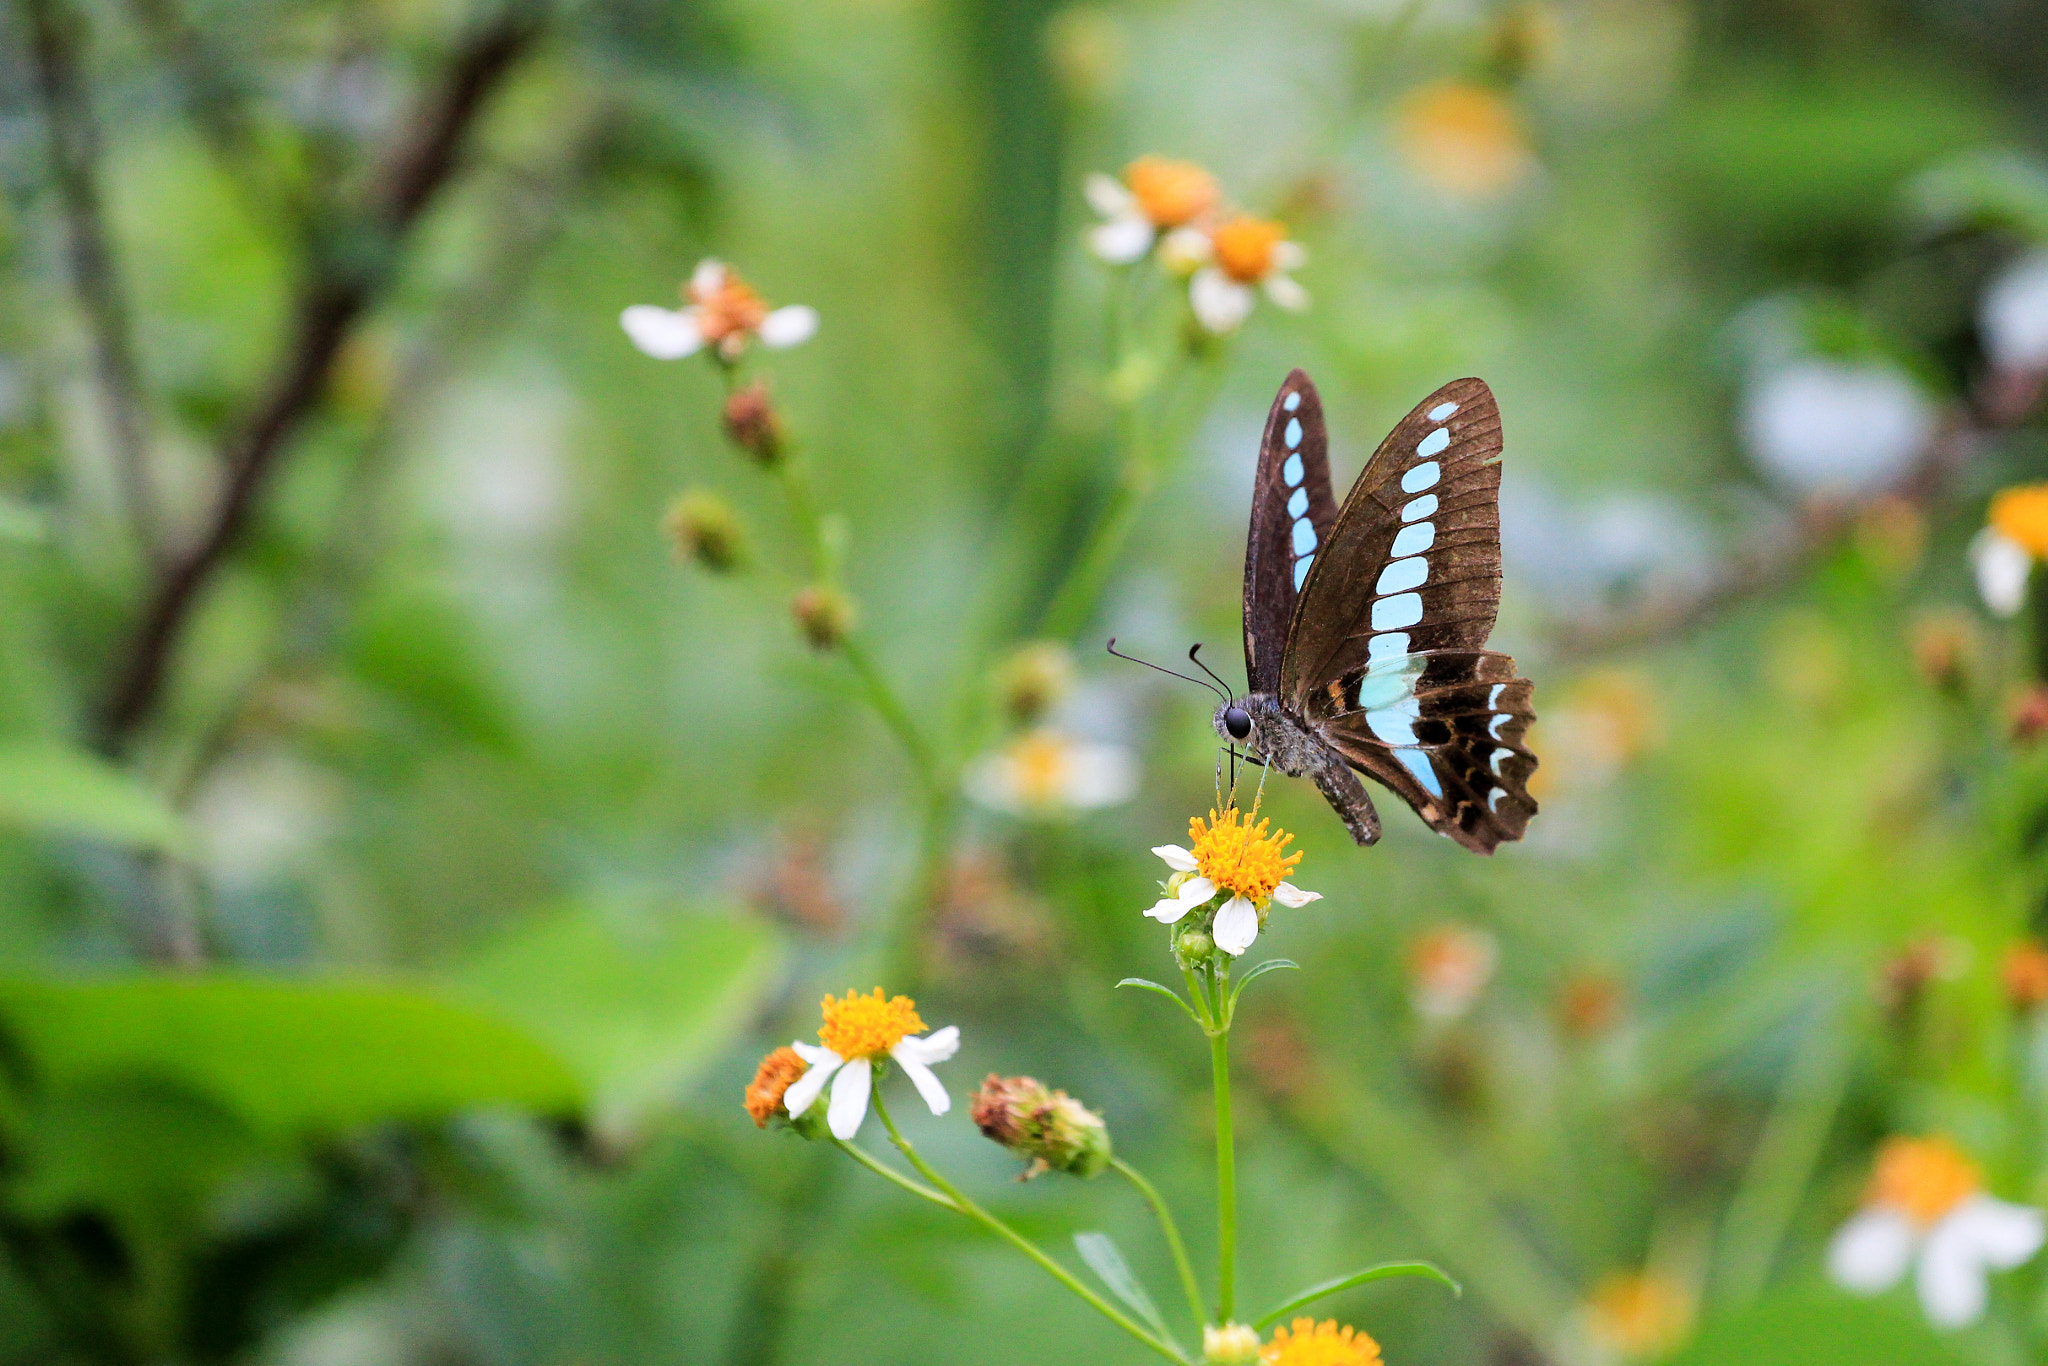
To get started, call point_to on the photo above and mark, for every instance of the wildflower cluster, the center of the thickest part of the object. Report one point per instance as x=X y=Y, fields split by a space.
x=1242 y=865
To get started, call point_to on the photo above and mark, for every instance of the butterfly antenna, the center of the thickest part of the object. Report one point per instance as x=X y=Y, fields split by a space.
x=1195 y=660
x=1185 y=678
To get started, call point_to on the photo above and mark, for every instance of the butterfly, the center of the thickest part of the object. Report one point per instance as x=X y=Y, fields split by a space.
x=1365 y=626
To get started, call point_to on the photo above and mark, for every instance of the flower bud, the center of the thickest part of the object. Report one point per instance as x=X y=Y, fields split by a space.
x=1230 y=1344
x=1946 y=651
x=752 y=424
x=2029 y=714
x=1193 y=946
x=1034 y=678
x=824 y=613
x=776 y=1074
x=2025 y=977
x=704 y=528
x=1054 y=1130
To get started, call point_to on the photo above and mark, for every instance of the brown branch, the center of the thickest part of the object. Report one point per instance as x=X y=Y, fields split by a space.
x=57 y=33
x=339 y=287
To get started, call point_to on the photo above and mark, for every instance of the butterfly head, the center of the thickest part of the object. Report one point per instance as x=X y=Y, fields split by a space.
x=1233 y=722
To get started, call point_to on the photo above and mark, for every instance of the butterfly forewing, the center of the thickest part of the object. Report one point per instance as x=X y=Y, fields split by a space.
x=1292 y=512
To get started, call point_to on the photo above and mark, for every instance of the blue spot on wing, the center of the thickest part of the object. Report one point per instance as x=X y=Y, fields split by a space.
x=1291 y=471
x=1293 y=435
x=1301 y=570
x=1417 y=762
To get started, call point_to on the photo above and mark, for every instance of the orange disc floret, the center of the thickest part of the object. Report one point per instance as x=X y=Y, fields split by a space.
x=1924 y=1177
x=775 y=1075
x=1239 y=857
x=1170 y=193
x=1329 y=1343
x=733 y=307
x=2021 y=516
x=1640 y=1313
x=867 y=1026
x=1246 y=248
x=2025 y=971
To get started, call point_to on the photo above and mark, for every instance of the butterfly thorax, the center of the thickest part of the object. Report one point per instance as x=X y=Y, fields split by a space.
x=1278 y=738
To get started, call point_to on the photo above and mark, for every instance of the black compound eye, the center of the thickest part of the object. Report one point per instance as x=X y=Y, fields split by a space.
x=1237 y=721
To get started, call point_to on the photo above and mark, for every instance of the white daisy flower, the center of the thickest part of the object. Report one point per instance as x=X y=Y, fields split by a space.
x=1926 y=1201
x=859 y=1032
x=1046 y=772
x=723 y=312
x=2015 y=534
x=1230 y=855
x=1448 y=967
x=1234 y=263
x=1155 y=196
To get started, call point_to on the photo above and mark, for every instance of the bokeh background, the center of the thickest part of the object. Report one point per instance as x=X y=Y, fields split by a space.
x=405 y=855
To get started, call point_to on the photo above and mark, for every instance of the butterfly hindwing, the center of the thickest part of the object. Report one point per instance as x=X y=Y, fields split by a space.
x=1293 y=509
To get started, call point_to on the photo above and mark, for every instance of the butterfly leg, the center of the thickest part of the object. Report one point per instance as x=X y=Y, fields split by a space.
x=1347 y=796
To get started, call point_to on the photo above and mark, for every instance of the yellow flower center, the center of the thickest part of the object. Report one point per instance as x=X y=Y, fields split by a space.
x=1640 y=1313
x=1170 y=193
x=1463 y=138
x=1925 y=1177
x=1043 y=762
x=1240 y=857
x=1308 y=1343
x=2021 y=516
x=730 y=309
x=867 y=1026
x=1245 y=248
x=777 y=1072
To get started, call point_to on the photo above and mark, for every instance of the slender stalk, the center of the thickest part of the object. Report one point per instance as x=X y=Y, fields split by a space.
x=1226 y=1179
x=881 y=1169
x=1171 y=1230
x=1018 y=1240
x=894 y=715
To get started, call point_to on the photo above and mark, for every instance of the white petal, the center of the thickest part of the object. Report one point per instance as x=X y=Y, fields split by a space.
x=1869 y=1253
x=1122 y=240
x=1952 y=1276
x=1186 y=250
x=1100 y=775
x=2002 y=566
x=1175 y=857
x=927 y=1084
x=1220 y=303
x=663 y=333
x=1284 y=291
x=1237 y=925
x=1192 y=893
x=1289 y=256
x=2004 y=1234
x=805 y=1090
x=1107 y=195
x=789 y=326
x=1168 y=911
x=850 y=1099
x=934 y=1047
x=1287 y=894
x=814 y=1053
x=708 y=277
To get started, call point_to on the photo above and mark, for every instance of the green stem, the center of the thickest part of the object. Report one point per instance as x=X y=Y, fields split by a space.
x=1226 y=1174
x=1171 y=1231
x=881 y=1169
x=894 y=715
x=1075 y=601
x=1018 y=1240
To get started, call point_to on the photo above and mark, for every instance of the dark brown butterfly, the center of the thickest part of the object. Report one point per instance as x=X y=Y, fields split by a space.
x=1365 y=628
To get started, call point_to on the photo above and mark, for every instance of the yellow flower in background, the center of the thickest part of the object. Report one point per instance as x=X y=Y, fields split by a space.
x=1233 y=263
x=857 y=1033
x=1926 y=1199
x=1156 y=195
x=1639 y=1313
x=1464 y=139
x=1046 y=772
x=2015 y=535
x=1233 y=856
x=723 y=312
x=1308 y=1343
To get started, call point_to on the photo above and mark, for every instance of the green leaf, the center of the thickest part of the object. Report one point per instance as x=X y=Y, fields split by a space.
x=1270 y=965
x=58 y=789
x=636 y=995
x=1168 y=992
x=1819 y=1327
x=1106 y=1260
x=1371 y=1273
x=284 y=1057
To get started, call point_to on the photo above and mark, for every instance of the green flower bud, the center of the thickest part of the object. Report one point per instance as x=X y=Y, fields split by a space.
x=704 y=528
x=1054 y=1130
x=824 y=613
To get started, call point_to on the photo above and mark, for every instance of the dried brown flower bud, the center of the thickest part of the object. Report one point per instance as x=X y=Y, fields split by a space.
x=1034 y=678
x=825 y=613
x=1054 y=1130
x=1589 y=1005
x=2029 y=714
x=777 y=1073
x=2025 y=974
x=704 y=528
x=1945 y=650
x=752 y=424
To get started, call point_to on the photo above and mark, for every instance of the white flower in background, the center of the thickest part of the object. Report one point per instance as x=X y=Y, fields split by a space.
x=1447 y=969
x=2013 y=316
x=1844 y=428
x=1233 y=856
x=1046 y=772
x=1234 y=263
x=723 y=312
x=1155 y=196
x=1927 y=1200
x=2015 y=535
x=859 y=1032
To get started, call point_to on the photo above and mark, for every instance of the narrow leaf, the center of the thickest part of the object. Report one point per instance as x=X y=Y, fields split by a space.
x=1371 y=1273
x=1106 y=1260
x=1168 y=992
x=1270 y=965
x=59 y=789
